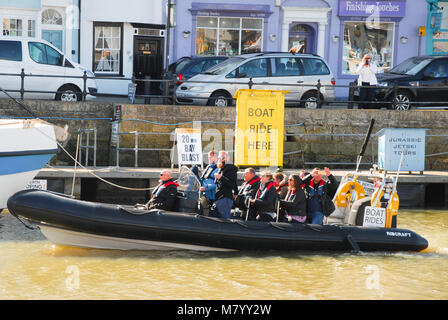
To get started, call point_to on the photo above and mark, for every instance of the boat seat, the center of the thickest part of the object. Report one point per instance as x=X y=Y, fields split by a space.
x=356 y=215
x=186 y=202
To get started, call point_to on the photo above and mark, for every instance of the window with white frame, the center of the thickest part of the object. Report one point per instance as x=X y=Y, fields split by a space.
x=51 y=16
x=360 y=38
x=228 y=36
x=31 y=28
x=12 y=27
x=107 y=52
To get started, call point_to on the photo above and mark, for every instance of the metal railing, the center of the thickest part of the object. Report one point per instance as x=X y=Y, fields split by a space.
x=301 y=152
x=167 y=85
x=87 y=146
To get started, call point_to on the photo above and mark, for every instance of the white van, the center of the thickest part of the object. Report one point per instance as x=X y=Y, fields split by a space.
x=46 y=69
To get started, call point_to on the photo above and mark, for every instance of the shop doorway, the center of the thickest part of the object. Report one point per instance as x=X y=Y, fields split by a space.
x=148 y=62
x=302 y=38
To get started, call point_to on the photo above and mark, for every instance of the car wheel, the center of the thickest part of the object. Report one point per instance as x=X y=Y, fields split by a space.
x=402 y=101
x=309 y=101
x=68 y=94
x=220 y=99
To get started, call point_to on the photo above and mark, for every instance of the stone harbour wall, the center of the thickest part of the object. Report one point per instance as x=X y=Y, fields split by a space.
x=314 y=137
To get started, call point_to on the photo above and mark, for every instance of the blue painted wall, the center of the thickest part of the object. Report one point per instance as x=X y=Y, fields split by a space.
x=25 y=4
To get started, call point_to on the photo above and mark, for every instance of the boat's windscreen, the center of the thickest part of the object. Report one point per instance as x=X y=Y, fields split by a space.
x=188 y=180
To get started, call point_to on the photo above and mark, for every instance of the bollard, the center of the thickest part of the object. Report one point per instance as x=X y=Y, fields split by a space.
x=84 y=90
x=22 y=84
x=351 y=94
x=318 y=101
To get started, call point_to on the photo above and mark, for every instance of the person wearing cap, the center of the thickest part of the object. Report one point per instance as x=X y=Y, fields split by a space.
x=165 y=194
x=367 y=78
x=226 y=186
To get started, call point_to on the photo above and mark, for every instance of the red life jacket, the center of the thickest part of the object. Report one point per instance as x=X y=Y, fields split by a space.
x=160 y=187
x=319 y=189
x=268 y=187
x=251 y=182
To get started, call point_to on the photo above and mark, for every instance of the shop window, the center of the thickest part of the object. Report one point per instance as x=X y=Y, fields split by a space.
x=440 y=43
x=107 y=52
x=12 y=27
x=228 y=36
x=360 y=38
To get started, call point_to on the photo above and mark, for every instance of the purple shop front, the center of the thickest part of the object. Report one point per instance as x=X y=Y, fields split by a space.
x=339 y=30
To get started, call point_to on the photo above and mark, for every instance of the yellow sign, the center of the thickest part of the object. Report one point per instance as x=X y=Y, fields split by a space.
x=259 y=127
x=422 y=31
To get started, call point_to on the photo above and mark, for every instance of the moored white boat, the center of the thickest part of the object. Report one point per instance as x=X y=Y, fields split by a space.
x=25 y=147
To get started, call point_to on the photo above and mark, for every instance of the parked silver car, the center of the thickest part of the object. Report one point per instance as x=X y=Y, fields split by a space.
x=298 y=73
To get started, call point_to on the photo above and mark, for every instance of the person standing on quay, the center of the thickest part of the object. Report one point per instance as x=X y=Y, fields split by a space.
x=367 y=78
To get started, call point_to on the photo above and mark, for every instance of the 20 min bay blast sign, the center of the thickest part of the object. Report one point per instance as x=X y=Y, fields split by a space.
x=259 y=127
x=189 y=146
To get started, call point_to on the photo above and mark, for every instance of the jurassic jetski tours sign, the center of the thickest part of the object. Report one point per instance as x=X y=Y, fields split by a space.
x=259 y=128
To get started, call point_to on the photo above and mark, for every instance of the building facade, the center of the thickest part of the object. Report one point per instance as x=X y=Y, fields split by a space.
x=341 y=31
x=56 y=21
x=121 y=39
x=115 y=39
x=118 y=39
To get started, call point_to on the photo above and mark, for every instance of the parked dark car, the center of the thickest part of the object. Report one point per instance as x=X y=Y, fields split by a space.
x=187 y=68
x=419 y=79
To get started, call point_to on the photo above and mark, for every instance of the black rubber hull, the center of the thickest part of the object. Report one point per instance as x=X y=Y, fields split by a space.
x=108 y=220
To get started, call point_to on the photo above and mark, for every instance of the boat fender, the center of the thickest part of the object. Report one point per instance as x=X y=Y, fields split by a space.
x=344 y=193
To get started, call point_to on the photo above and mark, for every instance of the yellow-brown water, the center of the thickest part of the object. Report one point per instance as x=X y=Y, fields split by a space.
x=33 y=268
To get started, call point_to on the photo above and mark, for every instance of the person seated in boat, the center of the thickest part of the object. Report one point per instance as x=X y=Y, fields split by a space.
x=208 y=185
x=294 y=203
x=281 y=185
x=247 y=191
x=226 y=186
x=316 y=187
x=266 y=198
x=164 y=196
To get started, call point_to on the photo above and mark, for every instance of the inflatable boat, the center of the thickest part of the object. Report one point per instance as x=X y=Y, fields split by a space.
x=67 y=221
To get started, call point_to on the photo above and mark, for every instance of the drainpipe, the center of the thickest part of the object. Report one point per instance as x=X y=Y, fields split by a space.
x=168 y=35
x=79 y=31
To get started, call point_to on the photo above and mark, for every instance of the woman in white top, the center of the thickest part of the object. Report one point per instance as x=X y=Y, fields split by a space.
x=366 y=71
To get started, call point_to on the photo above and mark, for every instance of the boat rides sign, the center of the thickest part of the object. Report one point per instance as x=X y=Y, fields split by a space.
x=374 y=217
x=259 y=128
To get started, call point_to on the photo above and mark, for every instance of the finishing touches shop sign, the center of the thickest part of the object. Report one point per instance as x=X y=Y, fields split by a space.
x=368 y=8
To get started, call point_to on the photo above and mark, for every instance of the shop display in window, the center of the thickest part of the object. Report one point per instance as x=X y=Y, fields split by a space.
x=375 y=39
